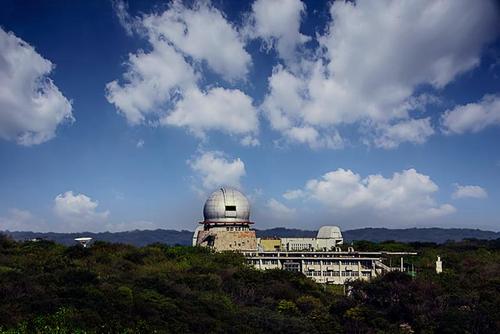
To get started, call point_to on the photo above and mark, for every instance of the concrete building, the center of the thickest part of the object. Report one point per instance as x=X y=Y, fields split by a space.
x=226 y=227
x=328 y=238
x=226 y=224
x=327 y=267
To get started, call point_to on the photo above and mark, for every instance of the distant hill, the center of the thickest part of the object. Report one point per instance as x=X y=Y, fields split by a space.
x=432 y=234
x=173 y=237
x=136 y=237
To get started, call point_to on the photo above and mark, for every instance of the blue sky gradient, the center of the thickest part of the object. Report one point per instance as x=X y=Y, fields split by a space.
x=110 y=174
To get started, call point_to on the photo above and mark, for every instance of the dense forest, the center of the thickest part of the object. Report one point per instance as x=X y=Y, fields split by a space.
x=46 y=287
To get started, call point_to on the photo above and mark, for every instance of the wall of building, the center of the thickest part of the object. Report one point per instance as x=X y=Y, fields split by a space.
x=298 y=244
x=329 y=268
x=222 y=239
x=310 y=244
x=270 y=245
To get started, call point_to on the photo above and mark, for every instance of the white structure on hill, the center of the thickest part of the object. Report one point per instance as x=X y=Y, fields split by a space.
x=226 y=227
x=327 y=239
x=84 y=241
x=439 y=265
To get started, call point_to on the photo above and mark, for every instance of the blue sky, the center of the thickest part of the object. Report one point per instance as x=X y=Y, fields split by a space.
x=119 y=116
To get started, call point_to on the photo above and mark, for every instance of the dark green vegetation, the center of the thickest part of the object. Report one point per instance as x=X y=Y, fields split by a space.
x=115 y=288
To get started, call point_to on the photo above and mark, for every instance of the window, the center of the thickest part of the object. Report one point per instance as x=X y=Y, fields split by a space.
x=230 y=207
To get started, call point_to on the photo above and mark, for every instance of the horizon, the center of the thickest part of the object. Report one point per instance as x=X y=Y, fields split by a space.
x=125 y=115
x=267 y=229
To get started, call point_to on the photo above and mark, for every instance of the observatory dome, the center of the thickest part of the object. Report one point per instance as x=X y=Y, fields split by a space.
x=329 y=232
x=226 y=205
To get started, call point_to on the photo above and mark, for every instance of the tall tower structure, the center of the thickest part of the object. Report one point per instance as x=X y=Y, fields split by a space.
x=226 y=224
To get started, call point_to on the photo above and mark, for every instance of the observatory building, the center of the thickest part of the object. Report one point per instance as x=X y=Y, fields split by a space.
x=227 y=227
x=226 y=224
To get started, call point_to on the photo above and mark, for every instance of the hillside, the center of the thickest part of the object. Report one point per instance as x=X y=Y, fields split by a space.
x=115 y=288
x=173 y=237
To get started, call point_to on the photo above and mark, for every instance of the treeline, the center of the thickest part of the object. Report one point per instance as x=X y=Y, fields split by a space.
x=116 y=288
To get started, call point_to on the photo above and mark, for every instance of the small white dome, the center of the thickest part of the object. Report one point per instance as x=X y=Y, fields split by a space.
x=226 y=205
x=329 y=232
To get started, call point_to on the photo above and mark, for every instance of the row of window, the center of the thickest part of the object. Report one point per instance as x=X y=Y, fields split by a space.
x=300 y=246
x=316 y=262
x=336 y=262
x=237 y=228
x=337 y=273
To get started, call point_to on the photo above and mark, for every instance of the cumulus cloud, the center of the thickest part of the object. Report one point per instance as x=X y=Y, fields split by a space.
x=469 y=192
x=375 y=54
x=472 y=117
x=162 y=86
x=79 y=212
x=277 y=23
x=216 y=170
x=226 y=110
x=293 y=194
x=279 y=210
x=22 y=220
x=284 y=105
x=203 y=33
x=412 y=130
x=405 y=196
x=152 y=81
x=31 y=105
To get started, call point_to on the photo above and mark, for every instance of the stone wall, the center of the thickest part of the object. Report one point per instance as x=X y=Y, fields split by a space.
x=228 y=240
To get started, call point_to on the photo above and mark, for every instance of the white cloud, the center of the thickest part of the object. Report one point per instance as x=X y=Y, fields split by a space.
x=310 y=136
x=162 y=86
x=413 y=130
x=140 y=143
x=469 y=192
x=204 y=34
x=284 y=106
x=31 y=105
x=293 y=194
x=472 y=117
x=22 y=220
x=406 y=196
x=375 y=56
x=226 y=110
x=279 y=210
x=249 y=141
x=152 y=80
x=277 y=22
x=215 y=170
x=79 y=212
x=121 y=9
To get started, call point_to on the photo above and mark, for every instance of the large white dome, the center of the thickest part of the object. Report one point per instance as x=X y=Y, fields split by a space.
x=226 y=205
